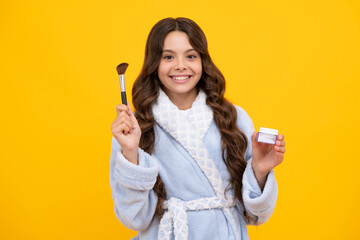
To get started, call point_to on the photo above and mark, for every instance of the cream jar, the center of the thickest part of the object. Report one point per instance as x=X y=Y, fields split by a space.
x=267 y=135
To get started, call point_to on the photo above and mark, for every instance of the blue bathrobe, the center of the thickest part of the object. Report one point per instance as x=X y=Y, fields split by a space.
x=185 y=180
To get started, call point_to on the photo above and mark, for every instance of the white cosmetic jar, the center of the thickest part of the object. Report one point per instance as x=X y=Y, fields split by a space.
x=267 y=135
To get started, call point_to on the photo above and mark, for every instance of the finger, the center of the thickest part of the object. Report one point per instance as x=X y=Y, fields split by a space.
x=280 y=137
x=124 y=114
x=257 y=144
x=280 y=149
x=128 y=126
x=123 y=118
x=281 y=156
x=121 y=129
x=254 y=136
x=132 y=116
x=124 y=128
x=280 y=143
x=120 y=108
x=129 y=111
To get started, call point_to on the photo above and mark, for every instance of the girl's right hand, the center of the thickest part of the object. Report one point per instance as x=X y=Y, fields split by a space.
x=127 y=132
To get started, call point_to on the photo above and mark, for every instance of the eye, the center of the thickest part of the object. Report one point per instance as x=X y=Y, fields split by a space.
x=167 y=57
x=192 y=56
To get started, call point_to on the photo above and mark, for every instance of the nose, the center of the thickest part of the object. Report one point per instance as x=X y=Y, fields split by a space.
x=180 y=65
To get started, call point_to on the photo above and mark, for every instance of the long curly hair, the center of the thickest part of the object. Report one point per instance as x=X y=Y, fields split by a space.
x=146 y=90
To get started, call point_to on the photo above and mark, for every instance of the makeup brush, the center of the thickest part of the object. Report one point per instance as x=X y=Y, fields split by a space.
x=121 y=68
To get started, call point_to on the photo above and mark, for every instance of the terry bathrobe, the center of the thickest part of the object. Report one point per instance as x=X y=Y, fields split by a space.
x=187 y=155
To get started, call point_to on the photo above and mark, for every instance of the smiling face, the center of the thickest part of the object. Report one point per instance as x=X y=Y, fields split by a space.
x=180 y=69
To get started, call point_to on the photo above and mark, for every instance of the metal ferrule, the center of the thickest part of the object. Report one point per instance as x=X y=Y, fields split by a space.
x=122 y=82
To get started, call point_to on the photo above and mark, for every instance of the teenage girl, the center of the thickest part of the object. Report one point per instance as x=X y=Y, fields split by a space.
x=187 y=165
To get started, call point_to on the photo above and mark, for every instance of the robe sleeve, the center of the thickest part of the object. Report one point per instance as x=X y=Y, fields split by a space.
x=258 y=204
x=132 y=188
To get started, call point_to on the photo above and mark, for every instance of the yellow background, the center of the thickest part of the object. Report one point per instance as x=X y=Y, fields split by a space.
x=292 y=65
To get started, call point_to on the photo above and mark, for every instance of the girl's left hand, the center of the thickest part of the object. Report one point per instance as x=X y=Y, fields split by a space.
x=266 y=156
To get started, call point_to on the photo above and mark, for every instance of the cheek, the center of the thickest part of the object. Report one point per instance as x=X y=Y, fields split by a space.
x=163 y=69
x=162 y=73
x=198 y=68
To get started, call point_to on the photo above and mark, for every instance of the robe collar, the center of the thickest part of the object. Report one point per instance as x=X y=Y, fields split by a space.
x=175 y=121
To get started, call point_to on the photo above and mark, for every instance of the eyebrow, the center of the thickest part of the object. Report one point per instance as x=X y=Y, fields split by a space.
x=168 y=50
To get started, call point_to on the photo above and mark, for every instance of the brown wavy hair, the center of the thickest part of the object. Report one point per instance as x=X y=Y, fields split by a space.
x=146 y=90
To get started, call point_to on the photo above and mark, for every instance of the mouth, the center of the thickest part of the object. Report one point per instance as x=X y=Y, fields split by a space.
x=181 y=79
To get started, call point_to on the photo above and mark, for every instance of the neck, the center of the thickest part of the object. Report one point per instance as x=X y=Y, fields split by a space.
x=183 y=101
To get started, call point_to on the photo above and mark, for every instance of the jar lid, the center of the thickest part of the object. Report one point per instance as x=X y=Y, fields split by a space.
x=269 y=131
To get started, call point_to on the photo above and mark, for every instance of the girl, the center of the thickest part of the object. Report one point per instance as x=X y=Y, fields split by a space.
x=186 y=165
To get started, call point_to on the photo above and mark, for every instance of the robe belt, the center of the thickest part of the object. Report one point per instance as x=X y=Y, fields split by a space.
x=176 y=214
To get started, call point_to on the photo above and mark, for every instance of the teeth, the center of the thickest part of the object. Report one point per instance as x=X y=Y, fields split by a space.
x=180 y=78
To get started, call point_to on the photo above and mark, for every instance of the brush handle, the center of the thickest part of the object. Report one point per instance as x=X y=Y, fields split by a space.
x=123 y=98
x=122 y=88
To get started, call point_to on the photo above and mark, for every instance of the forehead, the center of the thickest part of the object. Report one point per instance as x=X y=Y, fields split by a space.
x=176 y=40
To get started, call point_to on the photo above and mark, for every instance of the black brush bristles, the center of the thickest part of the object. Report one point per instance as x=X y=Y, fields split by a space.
x=121 y=68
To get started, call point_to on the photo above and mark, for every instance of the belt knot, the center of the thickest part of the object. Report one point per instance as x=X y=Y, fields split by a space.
x=176 y=216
